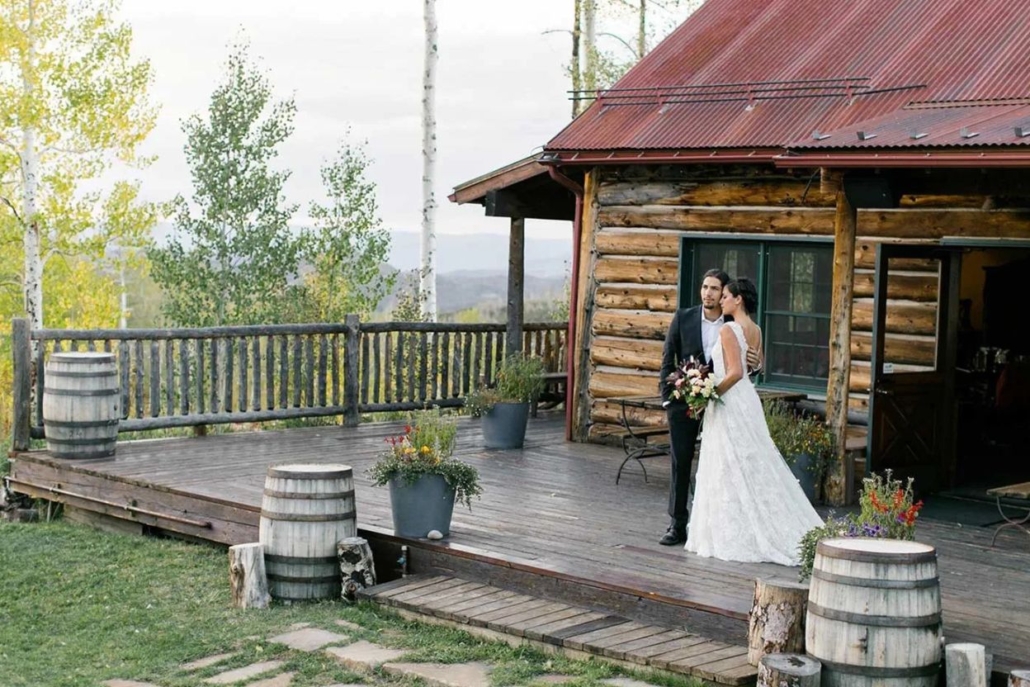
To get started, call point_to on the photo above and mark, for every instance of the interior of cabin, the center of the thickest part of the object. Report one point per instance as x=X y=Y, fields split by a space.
x=992 y=384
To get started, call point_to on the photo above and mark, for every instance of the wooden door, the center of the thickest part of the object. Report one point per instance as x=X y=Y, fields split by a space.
x=912 y=413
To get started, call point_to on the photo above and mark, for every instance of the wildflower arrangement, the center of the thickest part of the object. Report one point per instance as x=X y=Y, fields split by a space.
x=796 y=435
x=520 y=379
x=888 y=511
x=426 y=448
x=694 y=384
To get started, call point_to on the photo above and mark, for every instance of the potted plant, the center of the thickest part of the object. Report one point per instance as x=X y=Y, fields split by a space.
x=505 y=407
x=889 y=510
x=424 y=478
x=805 y=442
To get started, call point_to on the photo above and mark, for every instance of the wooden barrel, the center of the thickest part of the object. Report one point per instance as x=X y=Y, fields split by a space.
x=874 y=613
x=306 y=509
x=81 y=405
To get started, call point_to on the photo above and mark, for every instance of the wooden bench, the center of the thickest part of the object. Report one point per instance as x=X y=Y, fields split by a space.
x=1012 y=491
x=555 y=384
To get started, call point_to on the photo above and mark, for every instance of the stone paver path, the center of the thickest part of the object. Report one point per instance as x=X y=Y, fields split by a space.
x=309 y=639
x=244 y=673
x=360 y=657
x=364 y=657
x=443 y=674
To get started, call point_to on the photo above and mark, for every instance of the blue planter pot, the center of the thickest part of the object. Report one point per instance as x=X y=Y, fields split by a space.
x=801 y=467
x=421 y=506
x=504 y=427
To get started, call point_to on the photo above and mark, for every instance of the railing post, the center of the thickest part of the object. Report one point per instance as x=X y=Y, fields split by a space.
x=351 y=360
x=21 y=347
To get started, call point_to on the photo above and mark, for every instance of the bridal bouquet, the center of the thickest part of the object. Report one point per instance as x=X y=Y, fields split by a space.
x=694 y=384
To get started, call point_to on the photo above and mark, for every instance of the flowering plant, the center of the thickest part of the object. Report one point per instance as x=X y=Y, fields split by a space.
x=426 y=448
x=888 y=511
x=694 y=384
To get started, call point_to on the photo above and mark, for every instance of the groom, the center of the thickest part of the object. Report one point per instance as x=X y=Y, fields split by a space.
x=693 y=332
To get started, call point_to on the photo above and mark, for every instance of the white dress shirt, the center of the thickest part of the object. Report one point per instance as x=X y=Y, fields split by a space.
x=710 y=334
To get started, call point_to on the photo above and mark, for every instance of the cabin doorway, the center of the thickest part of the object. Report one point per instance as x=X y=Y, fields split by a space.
x=962 y=425
x=992 y=370
x=911 y=408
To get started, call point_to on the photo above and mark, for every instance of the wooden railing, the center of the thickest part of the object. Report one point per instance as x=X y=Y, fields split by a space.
x=217 y=375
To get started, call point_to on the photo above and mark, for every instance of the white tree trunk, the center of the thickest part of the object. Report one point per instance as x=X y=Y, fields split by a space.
x=776 y=623
x=590 y=49
x=32 y=284
x=642 y=31
x=427 y=282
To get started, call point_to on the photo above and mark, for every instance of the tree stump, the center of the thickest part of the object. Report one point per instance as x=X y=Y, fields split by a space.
x=776 y=623
x=789 y=670
x=247 y=576
x=356 y=566
x=1019 y=678
x=965 y=665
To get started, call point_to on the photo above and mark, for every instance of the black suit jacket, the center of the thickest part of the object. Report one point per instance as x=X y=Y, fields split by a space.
x=682 y=341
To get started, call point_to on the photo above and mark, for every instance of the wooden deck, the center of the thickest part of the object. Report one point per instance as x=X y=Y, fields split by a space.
x=551 y=518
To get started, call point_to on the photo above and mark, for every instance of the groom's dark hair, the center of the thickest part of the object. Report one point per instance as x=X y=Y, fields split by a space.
x=723 y=278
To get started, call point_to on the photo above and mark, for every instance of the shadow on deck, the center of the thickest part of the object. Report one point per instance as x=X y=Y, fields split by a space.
x=552 y=522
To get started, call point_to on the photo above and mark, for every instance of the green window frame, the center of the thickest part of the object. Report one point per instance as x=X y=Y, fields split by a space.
x=794 y=280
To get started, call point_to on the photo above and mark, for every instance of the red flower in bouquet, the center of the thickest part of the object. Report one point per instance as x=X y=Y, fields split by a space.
x=694 y=384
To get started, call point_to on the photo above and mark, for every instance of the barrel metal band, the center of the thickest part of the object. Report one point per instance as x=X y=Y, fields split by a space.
x=325 y=474
x=49 y=391
x=79 y=374
x=80 y=442
x=300 y=560
x=81 y=423
x=297 y=517
x=304 y=580
x=875 y=556
x=880 y=672
x=292 y=496
x=873 y=584
x=931 y=620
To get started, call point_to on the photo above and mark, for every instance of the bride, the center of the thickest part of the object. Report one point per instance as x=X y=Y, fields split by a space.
x=747 y=504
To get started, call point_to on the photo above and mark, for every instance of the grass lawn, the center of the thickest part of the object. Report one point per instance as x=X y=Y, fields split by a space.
x=78 y=607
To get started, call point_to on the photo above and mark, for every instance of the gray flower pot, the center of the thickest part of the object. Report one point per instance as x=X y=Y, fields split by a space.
x=505 y=425
x=801 y=467
x=421 y=506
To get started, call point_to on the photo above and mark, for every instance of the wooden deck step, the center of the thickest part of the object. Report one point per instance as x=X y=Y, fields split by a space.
x=572 y=629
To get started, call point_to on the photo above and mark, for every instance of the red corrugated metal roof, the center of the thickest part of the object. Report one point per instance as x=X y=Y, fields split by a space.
x=894 y=51
x=932 y=127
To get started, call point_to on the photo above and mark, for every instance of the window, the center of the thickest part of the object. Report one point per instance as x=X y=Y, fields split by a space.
x=794 y=281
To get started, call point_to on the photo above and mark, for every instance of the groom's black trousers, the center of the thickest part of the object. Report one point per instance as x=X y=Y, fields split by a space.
x=683 y=433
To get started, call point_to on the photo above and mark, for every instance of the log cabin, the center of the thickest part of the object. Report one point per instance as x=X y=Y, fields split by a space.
x=866 y=165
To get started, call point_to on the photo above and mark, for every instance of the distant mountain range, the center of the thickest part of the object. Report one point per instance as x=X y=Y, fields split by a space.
x=466 y=252
x=481 y=252
x=472 y=269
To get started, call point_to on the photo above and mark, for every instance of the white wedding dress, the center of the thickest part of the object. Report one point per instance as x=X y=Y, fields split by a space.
x=747 y=504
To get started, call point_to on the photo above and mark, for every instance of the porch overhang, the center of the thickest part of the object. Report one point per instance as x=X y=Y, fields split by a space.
x=523 y=189
x=968 y=159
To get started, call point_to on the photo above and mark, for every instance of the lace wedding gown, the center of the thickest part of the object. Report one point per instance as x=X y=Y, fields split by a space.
x=747 y=504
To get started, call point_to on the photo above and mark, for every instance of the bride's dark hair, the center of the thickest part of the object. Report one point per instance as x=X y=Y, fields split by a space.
x=745 y=288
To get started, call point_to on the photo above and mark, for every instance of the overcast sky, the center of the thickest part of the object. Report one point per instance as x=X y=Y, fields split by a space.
x=501 y=89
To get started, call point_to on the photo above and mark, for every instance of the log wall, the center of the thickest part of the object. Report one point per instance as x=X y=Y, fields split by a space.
x=635 y=229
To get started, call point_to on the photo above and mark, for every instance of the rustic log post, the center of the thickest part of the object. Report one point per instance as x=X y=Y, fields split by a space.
x=351 y=399
x=21 y=346
x=516 y=285
x=844 y=228
x=789 y=670
x=965 y=665
x=356 y=566
x=1019 y=678
x=247 y=576
x=776 y=623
